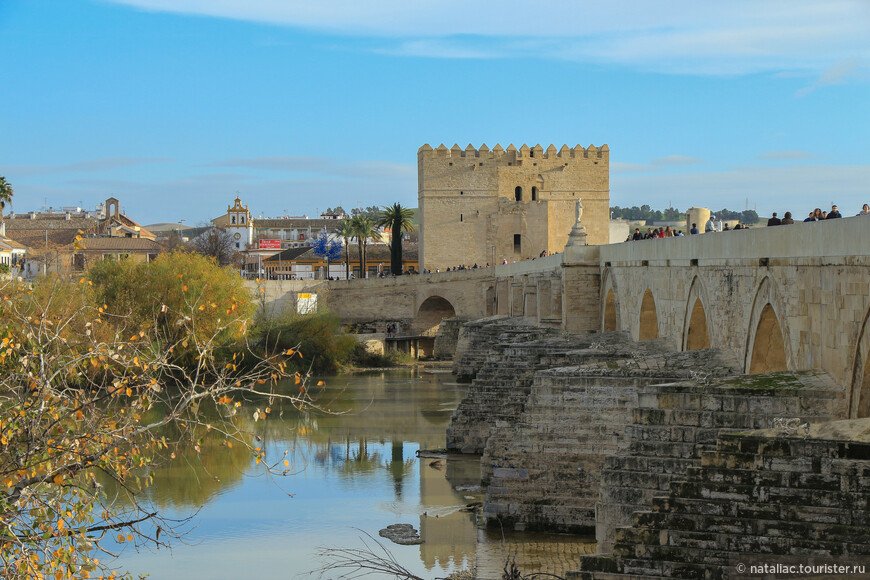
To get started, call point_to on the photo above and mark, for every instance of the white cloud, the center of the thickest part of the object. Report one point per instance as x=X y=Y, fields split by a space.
x=680 y=36
x=835 y=75
x=620 y=167
x=676 y=160
x=788 y=155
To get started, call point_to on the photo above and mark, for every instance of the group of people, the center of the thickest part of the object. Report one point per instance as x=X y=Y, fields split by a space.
x=654 y=233
x=457 y=268
x=814 y=216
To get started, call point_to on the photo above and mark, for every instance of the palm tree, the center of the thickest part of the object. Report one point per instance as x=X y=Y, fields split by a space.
x=363 y=228
x=398 y=219
x=345 y=231
x=6 y=194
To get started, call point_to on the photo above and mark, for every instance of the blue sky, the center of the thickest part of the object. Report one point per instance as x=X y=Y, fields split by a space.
x=175 y=105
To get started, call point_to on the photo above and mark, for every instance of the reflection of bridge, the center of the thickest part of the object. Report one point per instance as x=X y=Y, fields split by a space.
x=791 y=297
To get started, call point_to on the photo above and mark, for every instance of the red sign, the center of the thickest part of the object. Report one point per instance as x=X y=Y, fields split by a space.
x=270 y=244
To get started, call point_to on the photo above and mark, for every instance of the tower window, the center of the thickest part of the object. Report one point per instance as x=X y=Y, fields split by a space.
x=534 y=193
x=518 y=244
x=460 y=217
x=243 y=219
x=518 y=193
x=233 y=219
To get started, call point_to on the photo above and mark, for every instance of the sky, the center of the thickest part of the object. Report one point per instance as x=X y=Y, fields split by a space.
x=177 y=106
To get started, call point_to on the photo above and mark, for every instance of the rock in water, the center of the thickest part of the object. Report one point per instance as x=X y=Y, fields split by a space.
x=403 y=534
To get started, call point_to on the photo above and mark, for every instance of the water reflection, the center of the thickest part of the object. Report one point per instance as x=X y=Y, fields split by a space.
x=357 y=469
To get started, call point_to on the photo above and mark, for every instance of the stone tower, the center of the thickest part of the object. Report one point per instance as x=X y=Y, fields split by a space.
x=484 y=206
x=239 y=225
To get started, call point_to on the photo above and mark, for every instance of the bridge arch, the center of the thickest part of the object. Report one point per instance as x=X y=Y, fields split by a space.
x=610 y=308
x=648 y=327
x=430 y=314
x=696 y=330
x=767 y=343
x=859 y=399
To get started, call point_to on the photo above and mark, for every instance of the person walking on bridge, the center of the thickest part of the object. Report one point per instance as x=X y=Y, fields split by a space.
x=709 y=226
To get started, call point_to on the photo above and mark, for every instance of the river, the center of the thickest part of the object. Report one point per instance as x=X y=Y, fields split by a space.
x=351 y=474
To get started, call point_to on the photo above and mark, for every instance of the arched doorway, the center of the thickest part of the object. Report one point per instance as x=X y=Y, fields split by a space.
x=433 y=310
x=768 y=348
x=649 y=322
x=697 y=335
x=610 y=312
x=518 y=193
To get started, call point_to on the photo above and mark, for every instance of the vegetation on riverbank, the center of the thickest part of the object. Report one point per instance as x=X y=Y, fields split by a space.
x=100 y=378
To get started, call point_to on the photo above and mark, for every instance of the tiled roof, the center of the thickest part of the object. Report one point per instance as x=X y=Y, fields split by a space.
x=49 y=222
x=288 y=254
x=119 y=244
x=12 y=244
x=37 y=238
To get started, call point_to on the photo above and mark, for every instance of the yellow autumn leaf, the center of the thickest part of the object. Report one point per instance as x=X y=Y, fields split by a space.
x=58 y=479
x=134 y=337
x=184 y=288
x=319 y=383
x=289 y=352
x=286 y=463
x=60 y=525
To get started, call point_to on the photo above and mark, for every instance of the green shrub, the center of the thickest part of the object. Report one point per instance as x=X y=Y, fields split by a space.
x=318 y=337
x=183 y=295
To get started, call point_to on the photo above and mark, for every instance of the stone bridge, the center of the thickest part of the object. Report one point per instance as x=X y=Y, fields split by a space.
x=784 y=298
x=418 y=303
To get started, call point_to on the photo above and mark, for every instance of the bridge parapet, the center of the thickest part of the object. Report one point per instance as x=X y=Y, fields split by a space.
x=411 y=279
x=825 y=240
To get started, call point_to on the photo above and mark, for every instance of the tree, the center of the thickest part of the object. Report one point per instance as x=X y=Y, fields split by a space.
x=372 y=211
x=6 y=193
x=327 y=248
x=215 y=243
x=88 y=404
x=398 y=219
x=363 y=229
x=345 y=231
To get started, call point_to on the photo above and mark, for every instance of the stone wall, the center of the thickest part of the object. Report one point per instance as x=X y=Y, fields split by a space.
x=546 y=467
x=674 y=425
x=447 y=338
x=788 y=496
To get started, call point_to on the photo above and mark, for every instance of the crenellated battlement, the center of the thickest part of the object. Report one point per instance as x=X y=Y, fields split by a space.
x=512 y=152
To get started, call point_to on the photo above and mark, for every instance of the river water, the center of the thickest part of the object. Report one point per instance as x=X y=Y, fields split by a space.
x=352 y=474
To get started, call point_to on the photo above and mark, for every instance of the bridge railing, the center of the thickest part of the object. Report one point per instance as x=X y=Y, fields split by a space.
x=429 y=278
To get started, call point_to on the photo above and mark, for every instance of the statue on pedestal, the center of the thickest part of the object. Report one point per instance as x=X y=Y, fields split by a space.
x=577 y=237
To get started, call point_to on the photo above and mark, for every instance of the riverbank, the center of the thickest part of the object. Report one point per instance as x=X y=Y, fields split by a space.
x=435 y=366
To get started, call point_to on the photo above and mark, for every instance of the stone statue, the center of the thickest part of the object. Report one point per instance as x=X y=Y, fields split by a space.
x=577 y=237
